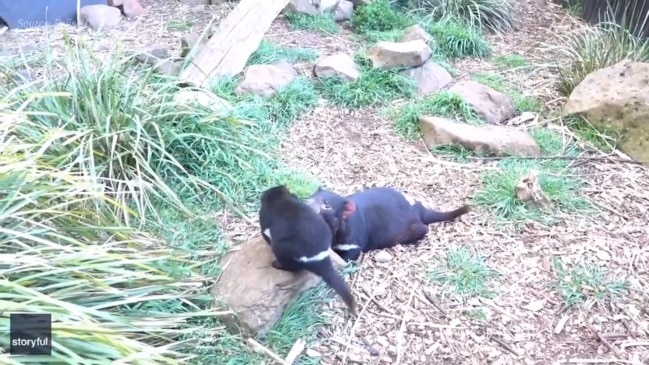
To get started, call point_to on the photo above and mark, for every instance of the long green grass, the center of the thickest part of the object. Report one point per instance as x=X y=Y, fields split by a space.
x=586 y=50
x=491 y=15
x=86 y=157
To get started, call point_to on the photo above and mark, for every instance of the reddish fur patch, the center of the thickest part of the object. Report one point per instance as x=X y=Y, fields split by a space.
x=350 y=208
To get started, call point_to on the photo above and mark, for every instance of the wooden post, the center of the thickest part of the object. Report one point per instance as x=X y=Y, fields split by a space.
x=237 y=37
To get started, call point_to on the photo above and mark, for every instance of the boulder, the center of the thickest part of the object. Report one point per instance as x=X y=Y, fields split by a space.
x=311 y=7
x=492 y=106
x=415 y=32
x=100 y=16
x=338 y=65
x=132 y=8
x=386 y=55
x=488 y=139
x=343 y=11
x=265 y=80
x=429 y=77
x=256 y=292
x=617 y=97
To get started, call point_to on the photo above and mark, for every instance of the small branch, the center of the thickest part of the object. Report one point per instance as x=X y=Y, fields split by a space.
x=560 y=157
x=295 y=351
x=263 y=349
x=505 y=345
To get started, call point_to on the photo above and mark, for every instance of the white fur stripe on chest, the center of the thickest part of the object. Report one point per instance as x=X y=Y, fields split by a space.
x=346 y=247
x=319 y=257
x=266 y=233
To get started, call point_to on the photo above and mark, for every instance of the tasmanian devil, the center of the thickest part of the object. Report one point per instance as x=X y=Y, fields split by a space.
x=375 y=218
x=300 y=238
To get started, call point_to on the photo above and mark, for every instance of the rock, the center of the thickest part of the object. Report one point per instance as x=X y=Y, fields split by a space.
x=100 y=16
x=311 y=7
x=338 y=65
x=132 y=8
x=192 y=40
x=195 y=2
x=256 y=292
x=190 y=98
x=358 y=3
x=491 y=139
x=415 y=32
x=383 y=257
x=152 y=55
x=265 y=80
x=344 y=11
x=617 y=97
x=429 y=77
x=492 y=106
x=387 y=55
x=168 y=67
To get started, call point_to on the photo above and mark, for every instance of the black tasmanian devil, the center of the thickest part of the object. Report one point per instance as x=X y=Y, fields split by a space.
x=300 y=238
x=375 y=218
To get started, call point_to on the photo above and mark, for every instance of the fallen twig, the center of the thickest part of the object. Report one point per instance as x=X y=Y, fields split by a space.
x=559 y=157
x=505 y=345
x=295 y=351
x=263 y=349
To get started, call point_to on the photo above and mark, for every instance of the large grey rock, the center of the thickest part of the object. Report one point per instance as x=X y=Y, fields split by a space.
x=492 y=106
x=256 y=292
x=387 y=55
x=617 y=97
x=339 y=65
x=100 y=16
x=311 y=7
x=490 y=139
x=266 y=80
x=429 y=77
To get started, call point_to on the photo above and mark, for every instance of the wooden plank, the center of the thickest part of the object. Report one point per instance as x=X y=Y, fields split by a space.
x=237 y=37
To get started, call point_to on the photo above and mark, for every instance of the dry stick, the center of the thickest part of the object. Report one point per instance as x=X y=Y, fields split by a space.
x=402 y=328
x=505 y=345
x=560 y=157
x=261 y=348
x=599 y=335
x=295 y=351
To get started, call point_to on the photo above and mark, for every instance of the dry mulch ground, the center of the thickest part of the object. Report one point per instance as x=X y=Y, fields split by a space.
x=405 y=317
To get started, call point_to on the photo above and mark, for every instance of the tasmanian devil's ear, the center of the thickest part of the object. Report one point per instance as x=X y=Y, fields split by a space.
x=348 y=209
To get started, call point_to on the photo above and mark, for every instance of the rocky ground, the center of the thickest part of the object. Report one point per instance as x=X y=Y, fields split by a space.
x=405 y=317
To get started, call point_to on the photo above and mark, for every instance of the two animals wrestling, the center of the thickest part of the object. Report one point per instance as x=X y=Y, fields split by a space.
x=301 y=233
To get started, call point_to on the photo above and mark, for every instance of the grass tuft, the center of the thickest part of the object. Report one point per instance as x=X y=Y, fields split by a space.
x=592 y=48
x=444 y=104
x=323 y=23
x=379 y=16
x=456 y=40
x=466 y=272
x=492 y=15
x=268 y=53
x=604 y=139
x=499 y=190
x=374 y=87
x=585 y=281
x=511 y=60
x=522 y=103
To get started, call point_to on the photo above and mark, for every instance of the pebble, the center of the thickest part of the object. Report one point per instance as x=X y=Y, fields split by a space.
x=383 y=257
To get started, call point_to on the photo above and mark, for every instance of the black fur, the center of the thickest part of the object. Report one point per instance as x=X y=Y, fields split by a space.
x=375 y=218
x=297 y=231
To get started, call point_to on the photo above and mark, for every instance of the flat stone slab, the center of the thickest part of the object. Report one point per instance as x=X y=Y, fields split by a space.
x=256 y=292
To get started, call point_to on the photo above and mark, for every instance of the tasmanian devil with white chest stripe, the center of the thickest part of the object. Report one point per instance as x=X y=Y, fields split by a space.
x=300 y=238
x=375 y=218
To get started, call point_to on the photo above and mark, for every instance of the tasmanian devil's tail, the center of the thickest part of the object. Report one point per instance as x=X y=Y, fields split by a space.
x=429 y=216
x=326 y=271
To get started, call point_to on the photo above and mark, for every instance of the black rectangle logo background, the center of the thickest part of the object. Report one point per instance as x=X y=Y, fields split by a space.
x=30 y=334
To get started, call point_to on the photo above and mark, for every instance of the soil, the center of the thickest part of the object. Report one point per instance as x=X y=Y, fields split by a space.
x=405 y=317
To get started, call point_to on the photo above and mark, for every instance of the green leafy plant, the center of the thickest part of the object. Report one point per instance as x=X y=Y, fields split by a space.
x=493 y=15
x=441 y=104
x=379 y=16
x=456 y=40
x=324 y=23
x=268 y=53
